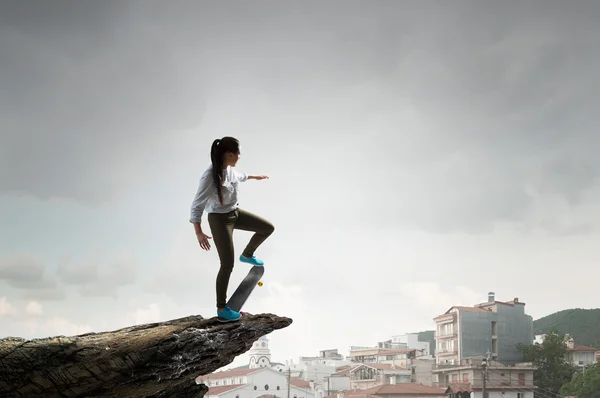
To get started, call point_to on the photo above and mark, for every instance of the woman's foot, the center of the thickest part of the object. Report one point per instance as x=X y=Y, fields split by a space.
x=227 y=315
x=251 y=260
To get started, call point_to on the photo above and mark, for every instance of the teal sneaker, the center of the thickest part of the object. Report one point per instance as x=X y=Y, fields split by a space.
x=228 y=315
x=251 y=260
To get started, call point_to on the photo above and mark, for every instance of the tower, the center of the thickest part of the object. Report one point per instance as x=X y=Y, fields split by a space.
x=260 y=355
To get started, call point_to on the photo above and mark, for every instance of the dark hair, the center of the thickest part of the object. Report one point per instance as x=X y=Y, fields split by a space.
x=218 y=149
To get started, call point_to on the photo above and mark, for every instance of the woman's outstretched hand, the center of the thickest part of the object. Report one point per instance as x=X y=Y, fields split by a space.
x=203 y=240
x=260 y=177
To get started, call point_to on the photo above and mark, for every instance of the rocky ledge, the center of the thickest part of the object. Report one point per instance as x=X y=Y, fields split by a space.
x=153 y=360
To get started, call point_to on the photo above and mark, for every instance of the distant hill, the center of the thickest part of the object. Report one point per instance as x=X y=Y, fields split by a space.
x=581 y=324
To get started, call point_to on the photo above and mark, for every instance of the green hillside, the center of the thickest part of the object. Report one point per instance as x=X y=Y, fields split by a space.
x=581 y=324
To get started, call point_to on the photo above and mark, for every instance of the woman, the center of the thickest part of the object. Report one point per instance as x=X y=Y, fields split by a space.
x=218 y=195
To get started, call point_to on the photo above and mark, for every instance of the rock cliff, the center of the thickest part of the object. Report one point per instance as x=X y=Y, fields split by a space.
x=153 y=360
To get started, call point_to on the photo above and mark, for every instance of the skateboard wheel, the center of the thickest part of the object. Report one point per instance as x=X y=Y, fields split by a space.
x=260 y=284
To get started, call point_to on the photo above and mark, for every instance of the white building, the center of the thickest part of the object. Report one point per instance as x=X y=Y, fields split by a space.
x=539 y=338
x=316 y=370
x=578 y=355
x=254 y=383
x=411 y=341
x=260 y=354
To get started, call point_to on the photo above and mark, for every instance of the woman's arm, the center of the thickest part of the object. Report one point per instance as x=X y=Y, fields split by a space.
x=258 y=177
x=205 y=189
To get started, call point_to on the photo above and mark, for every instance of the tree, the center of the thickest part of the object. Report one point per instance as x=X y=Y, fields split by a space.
x=584 y=384
x=551 y=368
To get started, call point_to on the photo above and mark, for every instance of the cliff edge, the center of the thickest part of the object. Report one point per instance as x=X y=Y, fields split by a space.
x=154 y=360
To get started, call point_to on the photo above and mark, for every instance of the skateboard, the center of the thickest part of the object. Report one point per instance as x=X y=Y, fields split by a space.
x=241 y=294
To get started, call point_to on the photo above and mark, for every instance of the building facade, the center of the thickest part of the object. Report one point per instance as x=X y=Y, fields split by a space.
x=403 y=390
x=465 y=379
x=493 y=327
x=411 y=341
x=260 y=354
x=254 y=383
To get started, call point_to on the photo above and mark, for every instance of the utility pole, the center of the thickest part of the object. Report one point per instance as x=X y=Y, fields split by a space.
x=484 y=368
x=288 y=381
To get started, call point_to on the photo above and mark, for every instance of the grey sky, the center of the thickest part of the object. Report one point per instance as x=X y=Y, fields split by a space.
x=431 y=152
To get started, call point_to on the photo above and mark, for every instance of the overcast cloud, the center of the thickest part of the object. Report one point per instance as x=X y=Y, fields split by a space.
x=420 y=155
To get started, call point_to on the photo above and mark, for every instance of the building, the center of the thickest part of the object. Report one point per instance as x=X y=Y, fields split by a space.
x=384 y=355
x=465 y=379
x=316 y=370
x=363 y=376
x=254 y=383
x=406 y=341
x=369 y=375
x=403 y=390
x=260 y=354
x=493 y=327
x=411 y=341
x=578 y=355
x=422 y=369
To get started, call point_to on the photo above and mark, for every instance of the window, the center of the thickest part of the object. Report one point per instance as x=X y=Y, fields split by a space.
x=520 y=395
x=465 y=377
x=521 y=377
x=365 y=374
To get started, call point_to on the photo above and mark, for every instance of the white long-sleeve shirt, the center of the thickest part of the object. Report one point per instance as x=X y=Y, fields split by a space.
x=207 y=199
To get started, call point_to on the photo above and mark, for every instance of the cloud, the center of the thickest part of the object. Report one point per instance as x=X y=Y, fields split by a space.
x=96 y=277
x=150 y=313
x=56 y=293
x=61 y=326
x=451 y=128
x=6 y=308
x=185 y=272
x=25 y=272
x=429 y=297
x=34 y=308
x=84 y=110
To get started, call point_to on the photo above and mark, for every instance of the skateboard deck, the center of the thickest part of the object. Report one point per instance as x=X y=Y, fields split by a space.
x=241 y=294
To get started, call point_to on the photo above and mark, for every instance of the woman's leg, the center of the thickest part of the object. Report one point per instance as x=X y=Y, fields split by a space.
x=221 y=226
x=262 y=229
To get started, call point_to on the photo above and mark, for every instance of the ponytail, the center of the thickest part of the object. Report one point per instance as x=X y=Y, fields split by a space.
x=218 y=149
x=216 y=157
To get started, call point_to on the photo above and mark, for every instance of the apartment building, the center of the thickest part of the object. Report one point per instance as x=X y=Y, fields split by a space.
x=465 y=379
x=493 y=327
